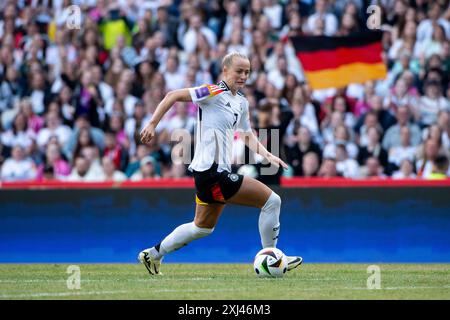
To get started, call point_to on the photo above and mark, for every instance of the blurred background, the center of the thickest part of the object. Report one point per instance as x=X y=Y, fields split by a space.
x=78 y=84
x=79 y=80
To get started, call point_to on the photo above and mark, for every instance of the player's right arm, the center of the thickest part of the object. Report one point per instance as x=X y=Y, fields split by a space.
x=179 y=95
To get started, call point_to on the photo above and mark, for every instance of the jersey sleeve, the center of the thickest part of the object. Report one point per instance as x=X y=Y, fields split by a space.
x=203 y=93
x=244 y=124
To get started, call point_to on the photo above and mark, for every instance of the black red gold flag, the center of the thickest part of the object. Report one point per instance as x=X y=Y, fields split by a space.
x=334 y=62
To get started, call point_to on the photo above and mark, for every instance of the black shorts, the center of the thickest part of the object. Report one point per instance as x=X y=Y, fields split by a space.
x=216 y=187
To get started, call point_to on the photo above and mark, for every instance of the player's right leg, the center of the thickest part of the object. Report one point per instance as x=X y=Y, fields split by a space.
x=256 y=194
x=206 y=217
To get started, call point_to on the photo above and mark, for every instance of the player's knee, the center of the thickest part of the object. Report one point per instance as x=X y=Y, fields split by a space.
x=274 y=202
x=199 y=232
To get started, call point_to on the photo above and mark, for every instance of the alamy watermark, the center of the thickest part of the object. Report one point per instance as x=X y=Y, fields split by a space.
x=374 y=20
x=221 y=144
x=374 y=280
x=74 y=280
x=73 y=20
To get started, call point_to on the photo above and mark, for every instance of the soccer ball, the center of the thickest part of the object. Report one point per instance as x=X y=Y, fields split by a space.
x=270 y=263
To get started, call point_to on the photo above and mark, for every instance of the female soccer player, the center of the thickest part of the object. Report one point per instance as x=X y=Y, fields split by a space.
x=222 y=111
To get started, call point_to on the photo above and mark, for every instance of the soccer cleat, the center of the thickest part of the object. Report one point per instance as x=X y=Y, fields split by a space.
x=149 y=262
x=294 y=262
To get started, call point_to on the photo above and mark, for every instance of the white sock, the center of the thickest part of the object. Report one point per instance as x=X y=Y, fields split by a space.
x=269 y=221
x=178 y=238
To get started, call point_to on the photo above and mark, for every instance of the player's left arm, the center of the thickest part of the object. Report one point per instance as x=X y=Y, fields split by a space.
x=252 y=142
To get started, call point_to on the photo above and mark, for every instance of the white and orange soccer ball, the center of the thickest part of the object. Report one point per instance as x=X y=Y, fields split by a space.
x=270 y=263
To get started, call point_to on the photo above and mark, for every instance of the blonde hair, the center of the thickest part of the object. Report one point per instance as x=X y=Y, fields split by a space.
x=228 y=59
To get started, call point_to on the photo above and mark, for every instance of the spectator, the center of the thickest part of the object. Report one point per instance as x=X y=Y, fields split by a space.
x=19 y=134
x=304 y=115
x=110 y=172
x=346 y=166
x=392 y=138
x=401 y=96
x=142 y=150
x=348 y=25
x=328 y=168
x=167 y=25
x=115 y=24
x=329 y=20
x=382 y=116
x=426 y=153
x=115 y=151
x=80 y=171
x=431 y=104
x=67 y=102
x=310 y=165
x=197 y=27
x=443 y=123
x=273 y=10
x=92 y=155
x=363 y=104
x=233 y=13
x=39 y=92
x=373 y=148
x=88 y=99
x=440 y=168
x=84 y=139
x=341 y=137
x=18 y=167
x=181 y=120
x=303 y=145
x=133 y=125
x=54 y=127
x=147 y=170
x=10 y=89
x=53 y=165
x=406 y=42
x=404 y=151
x=329 y=127
x=95 y=134
x=425 y=29
x=172 y=74
x=372 y=168
x=406 y=170
x=433 y=45
x=434 y=132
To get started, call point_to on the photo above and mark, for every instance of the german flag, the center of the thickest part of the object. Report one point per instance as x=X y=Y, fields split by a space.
x=334 y=62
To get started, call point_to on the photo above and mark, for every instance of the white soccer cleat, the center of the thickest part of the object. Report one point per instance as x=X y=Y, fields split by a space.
x=149 y=262
x=293 y=262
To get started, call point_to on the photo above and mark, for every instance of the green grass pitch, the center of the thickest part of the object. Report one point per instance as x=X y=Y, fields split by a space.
x=224 y=281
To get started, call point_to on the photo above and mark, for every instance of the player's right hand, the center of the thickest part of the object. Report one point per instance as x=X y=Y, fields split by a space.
x=148 y=133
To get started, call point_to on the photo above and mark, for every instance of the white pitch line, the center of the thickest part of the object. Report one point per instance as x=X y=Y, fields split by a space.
x=81 y=293
x=97 y=280
x=58 y=294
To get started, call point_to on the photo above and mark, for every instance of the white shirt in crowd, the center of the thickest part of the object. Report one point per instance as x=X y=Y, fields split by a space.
x=398 y=154
x=62 y=133
x=22 y=170
x=349 y=168
x=23 y=139
x=331 y=23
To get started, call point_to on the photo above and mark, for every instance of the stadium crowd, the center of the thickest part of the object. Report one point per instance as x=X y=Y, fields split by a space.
x=75 y=93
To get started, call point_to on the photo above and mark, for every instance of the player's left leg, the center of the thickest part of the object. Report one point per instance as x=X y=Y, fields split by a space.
x=256 y=194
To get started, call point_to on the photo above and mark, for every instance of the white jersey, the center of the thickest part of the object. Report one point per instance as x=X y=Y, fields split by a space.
x=220 y=115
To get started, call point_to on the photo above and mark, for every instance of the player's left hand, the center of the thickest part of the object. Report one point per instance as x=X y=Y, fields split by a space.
x=276 y=161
